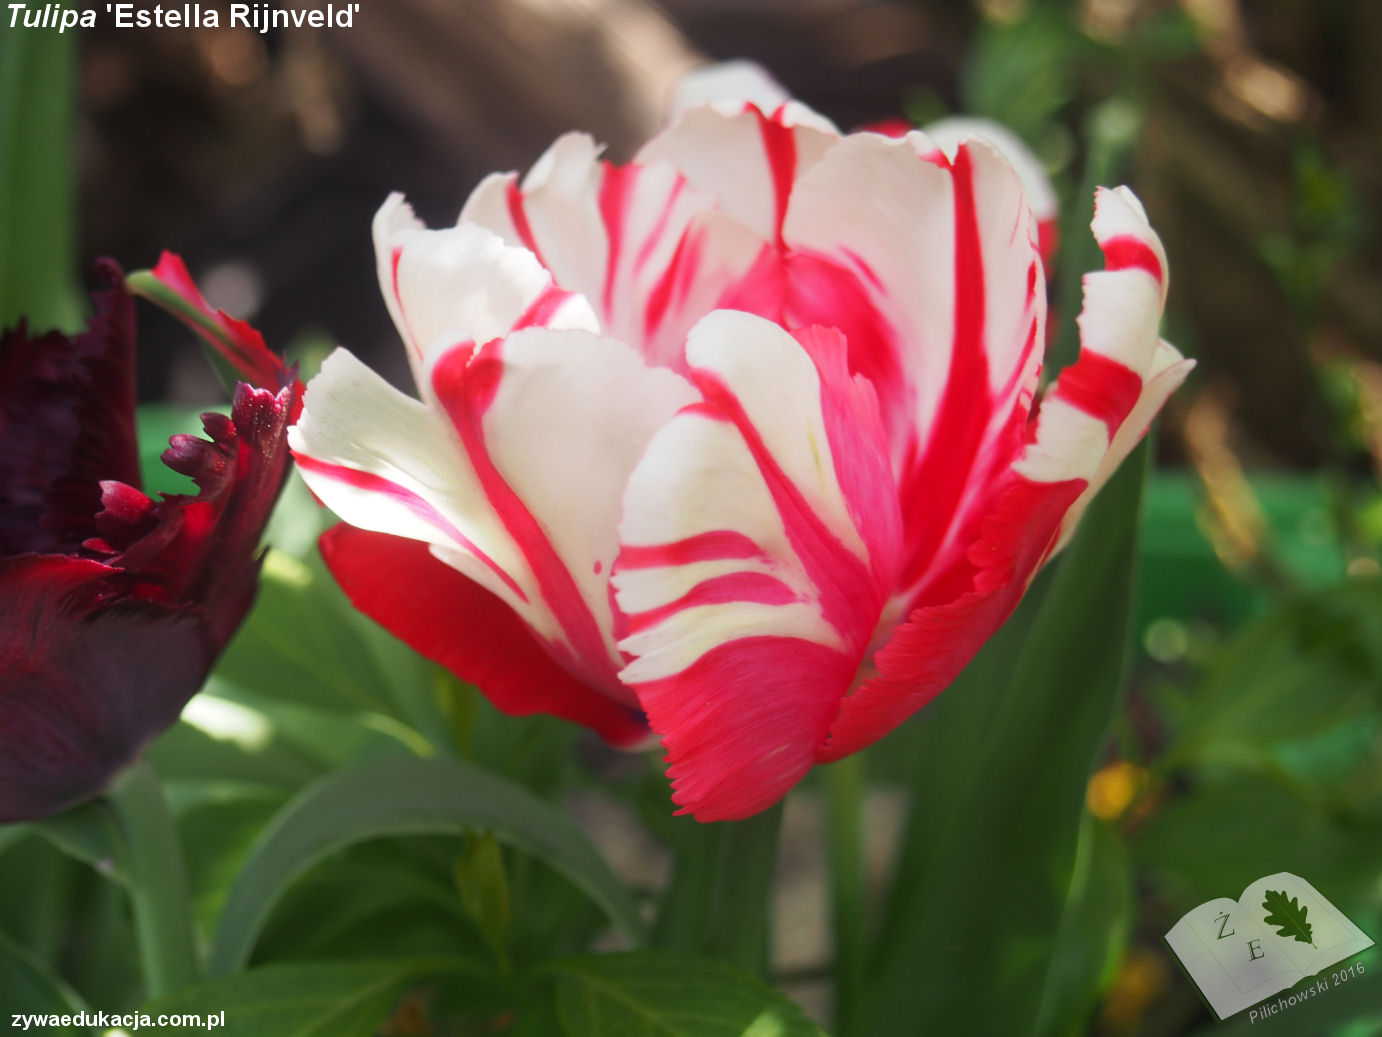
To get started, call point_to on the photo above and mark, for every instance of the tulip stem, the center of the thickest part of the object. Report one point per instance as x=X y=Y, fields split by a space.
x=157 y=880
x=719 y=902
x=741 y=913
x=844 y=784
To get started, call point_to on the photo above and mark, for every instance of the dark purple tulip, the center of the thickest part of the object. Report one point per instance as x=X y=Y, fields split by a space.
x=113 y=606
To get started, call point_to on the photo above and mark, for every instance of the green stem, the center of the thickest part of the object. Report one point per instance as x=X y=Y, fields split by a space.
x=844 y=783
x=742 y=909
x=157 y=881
x=718 y=903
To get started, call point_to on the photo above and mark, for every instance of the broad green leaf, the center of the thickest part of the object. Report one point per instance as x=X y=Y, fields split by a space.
x=337 y=999
x=996 y=898
x=38 y=884
x=395 y=796
x=27 y=986
x=37 y=193
x=11 y=834
x=940 y=747
x=218 y=822
x=1288 y=916
x=655 y=994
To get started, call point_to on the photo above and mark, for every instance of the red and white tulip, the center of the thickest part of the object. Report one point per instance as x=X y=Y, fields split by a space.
x=740 y=442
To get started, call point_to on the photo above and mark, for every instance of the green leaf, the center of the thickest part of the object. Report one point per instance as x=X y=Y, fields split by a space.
x=998 y=893
x=941 y=762
x=151 y=854
x=405 y=795
x=655 y=994
x=37 y=193
x=337 y=999
x=29 y=987
x=1288 y=917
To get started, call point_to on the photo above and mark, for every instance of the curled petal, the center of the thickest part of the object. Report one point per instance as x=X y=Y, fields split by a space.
x=759 y=536
x=1099 y=408
x=171 y=287
x=115 y=605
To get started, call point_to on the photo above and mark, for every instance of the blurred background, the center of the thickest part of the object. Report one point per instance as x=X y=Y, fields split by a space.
x=1251 y=740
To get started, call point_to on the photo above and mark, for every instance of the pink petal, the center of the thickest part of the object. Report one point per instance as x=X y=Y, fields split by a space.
x=730 y=87
x=1099 y=408
x=552 y=423
x=453 y=621
x=759 y=538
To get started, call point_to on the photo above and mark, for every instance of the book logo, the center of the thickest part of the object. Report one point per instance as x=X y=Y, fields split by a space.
x=1279 y=932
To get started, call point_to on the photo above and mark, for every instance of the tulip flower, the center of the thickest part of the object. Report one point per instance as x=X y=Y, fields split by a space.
x=115 y=605
x=740 y=443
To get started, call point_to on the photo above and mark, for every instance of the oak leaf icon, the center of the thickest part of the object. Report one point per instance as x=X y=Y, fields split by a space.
x=1288 y=916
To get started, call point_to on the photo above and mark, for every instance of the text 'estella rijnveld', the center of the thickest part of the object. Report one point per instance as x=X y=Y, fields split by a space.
x=258 y=17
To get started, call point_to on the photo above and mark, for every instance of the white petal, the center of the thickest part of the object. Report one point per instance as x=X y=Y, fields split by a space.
x=463 y=283
x=747 y=162
x=948 y=133
x=385 y=462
